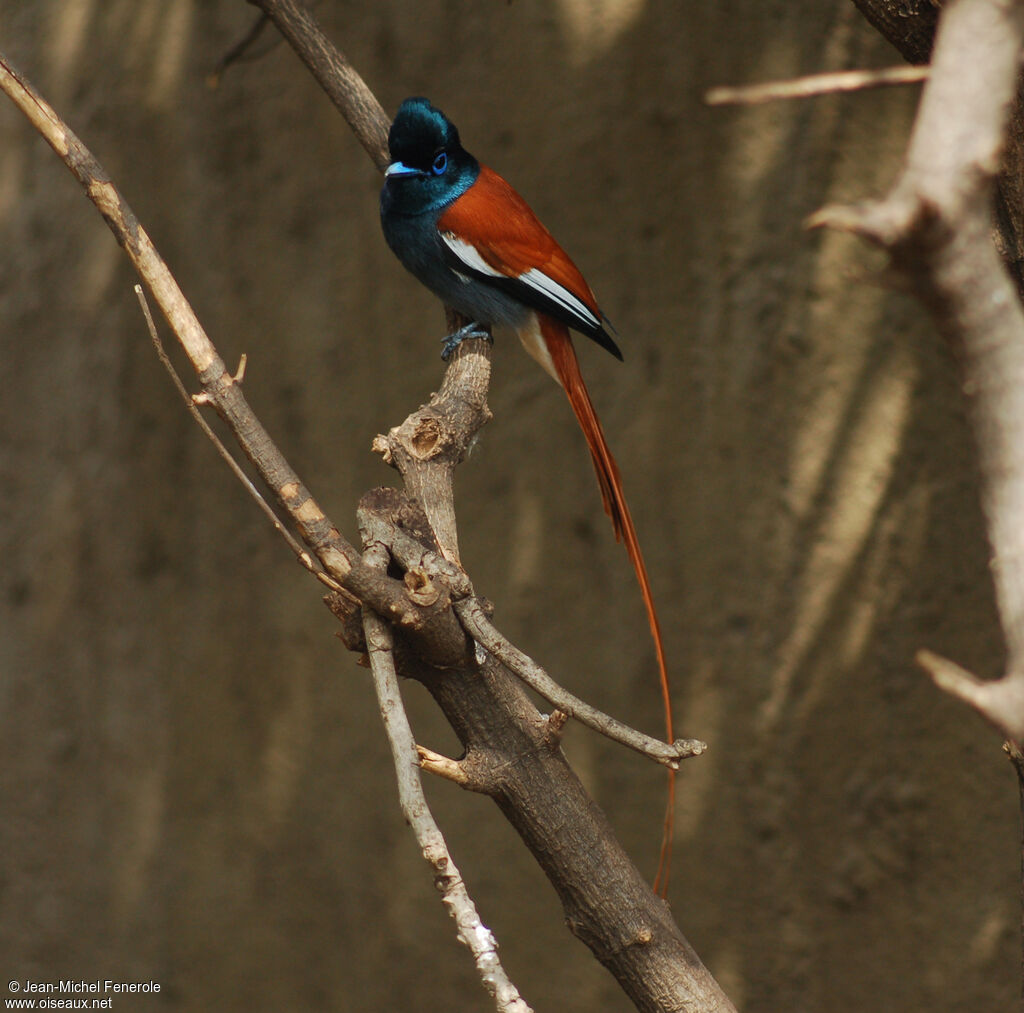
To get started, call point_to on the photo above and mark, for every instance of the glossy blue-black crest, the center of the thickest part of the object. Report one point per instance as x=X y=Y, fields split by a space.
x=429 y=167
x=419 y=133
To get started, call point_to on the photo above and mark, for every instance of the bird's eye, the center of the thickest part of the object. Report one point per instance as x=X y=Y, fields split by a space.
x=440 y=164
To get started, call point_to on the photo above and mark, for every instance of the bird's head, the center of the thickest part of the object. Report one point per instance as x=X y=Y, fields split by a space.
x=429 y=167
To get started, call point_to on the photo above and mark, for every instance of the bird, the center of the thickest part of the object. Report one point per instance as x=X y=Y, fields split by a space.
x=470 y=238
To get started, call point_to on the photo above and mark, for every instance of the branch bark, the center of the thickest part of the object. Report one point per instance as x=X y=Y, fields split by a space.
x=447 y=878
x=412 y=554
x=910 y=27
x=512 y=751
x=936 y=225
x=419 y=445
x=513 y=756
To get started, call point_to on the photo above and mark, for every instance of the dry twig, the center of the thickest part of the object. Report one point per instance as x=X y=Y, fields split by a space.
x=301 y=554
x=447 y=878
x=480 y=628
x=815 y=84
x=338 y=557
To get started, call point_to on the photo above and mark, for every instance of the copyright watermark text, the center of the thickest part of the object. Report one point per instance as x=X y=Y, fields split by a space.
x=73 y=993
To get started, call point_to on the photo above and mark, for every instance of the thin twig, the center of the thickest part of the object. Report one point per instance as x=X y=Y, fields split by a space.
x=413 y=555
x=479 y=627
x=240 y=51
x=447 y=878
x=345 y=88
x=815 y=84
x=301 y=553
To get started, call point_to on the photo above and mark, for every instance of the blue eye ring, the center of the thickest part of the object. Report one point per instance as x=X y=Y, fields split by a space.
x=440 y=164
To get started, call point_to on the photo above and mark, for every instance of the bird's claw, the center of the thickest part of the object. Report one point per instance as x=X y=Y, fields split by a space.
x=452 y=341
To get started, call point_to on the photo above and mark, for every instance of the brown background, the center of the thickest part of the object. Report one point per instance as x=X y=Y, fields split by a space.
x=193 y=782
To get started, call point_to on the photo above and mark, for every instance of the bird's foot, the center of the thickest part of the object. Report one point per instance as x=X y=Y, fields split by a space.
x=452 y=341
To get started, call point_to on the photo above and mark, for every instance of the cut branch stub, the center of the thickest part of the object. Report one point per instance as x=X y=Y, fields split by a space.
x=430 y=443
x=427 y=438
x=439 y=637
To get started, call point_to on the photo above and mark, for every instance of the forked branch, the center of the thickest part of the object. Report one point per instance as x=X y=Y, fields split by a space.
x=416 y=558
x=936 y=225
x=509 y=746
x=447 y=878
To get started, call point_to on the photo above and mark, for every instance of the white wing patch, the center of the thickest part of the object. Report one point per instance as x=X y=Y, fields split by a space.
x=469 y=255
x=538 y=280
x=535 y=278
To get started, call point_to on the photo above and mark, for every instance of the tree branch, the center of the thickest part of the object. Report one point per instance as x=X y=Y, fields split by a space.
x=418 y=445
x=815 y=84
x=512 y=752
x=479 y=627
x=936 y=224
x=447 y=878
x=236 y=469
x=345 y=88
x=381 y=524
x=338 y=557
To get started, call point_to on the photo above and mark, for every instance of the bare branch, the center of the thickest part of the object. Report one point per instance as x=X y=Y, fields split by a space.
x=413 y=555
x=447 y=877
x=338 y=557
x=936 y=224
x=236 y=469
x=815 y=84
x=479 y=627
x=428 y=446
x=345 y=88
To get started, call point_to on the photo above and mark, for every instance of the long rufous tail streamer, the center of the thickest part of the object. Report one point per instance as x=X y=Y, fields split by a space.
x=563 y=356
